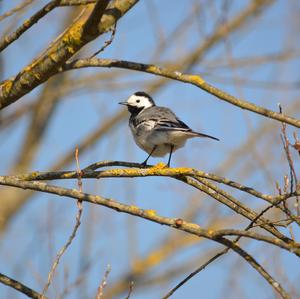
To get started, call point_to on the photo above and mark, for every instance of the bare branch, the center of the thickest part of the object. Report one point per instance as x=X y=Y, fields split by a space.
x=19 y=287
x=76 y=2
x=100 y=291
x=219 y=254
x=130 y=290
x=7 y=40
x=195 y=272
x=293 y=175
x=74 y=231
x=15 y=9
x=108 y=42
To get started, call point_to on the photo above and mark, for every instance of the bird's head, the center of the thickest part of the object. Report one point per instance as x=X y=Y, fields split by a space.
x=138 y=102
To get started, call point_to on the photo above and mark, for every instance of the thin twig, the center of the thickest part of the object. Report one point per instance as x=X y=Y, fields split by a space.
x=296 y=145
x=293 y=175
x=103 y=284
x=108 y=42
x=131 y=285
x=216 y=256
x=195 y=272
x=64 y=248
x=234 y=204
x=76 y=2
x=223 y=252
x=79 y=171
x=15 y=9
x=8 y=39
x=73 y=234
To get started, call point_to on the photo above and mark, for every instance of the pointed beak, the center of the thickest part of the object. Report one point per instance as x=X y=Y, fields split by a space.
x=123 y=103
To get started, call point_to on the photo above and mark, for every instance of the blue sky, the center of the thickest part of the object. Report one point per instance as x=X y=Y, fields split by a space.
x=44 y=224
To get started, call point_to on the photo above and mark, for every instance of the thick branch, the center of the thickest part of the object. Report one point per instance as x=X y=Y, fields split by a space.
x=27 y=24
x=70 y=42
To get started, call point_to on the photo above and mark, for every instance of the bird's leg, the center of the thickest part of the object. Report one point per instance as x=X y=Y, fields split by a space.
x=145 y=162
x=171 y=151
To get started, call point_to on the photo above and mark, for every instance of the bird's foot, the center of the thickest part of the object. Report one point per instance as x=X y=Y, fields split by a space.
x=144 y=164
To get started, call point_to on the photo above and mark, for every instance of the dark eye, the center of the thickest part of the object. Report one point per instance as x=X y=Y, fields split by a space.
x=137 y=101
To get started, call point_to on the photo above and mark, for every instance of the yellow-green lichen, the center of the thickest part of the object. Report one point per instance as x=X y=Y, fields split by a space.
x=210 y=232
x=134 y=209
x=181 y=170
x=160 y=165
x=6 y=87
x=31 y=176
x=122 y=172
x=150 y=213
x=73 y=38
x=68 y=175
x=153 y=69
x=196 y=79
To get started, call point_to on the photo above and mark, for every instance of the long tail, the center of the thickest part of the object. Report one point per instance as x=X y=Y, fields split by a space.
x=187 y=131
x=204 y=135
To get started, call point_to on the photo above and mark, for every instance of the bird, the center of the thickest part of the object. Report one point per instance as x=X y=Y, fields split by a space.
x=157 y=130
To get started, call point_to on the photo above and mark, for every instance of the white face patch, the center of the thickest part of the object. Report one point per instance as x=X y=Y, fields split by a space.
x=139 y=101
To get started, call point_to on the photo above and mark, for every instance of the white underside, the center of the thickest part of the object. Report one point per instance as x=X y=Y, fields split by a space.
x=163 y=142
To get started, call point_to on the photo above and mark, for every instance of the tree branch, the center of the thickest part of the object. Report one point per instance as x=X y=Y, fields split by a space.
x=216 y=256
x=70 y=42
x=190 y=176
x=8 y=39
x=149 y=215
x=158 y=170
x=195 y=80
x=180 y=173
x=16 y=9
x=20 y=287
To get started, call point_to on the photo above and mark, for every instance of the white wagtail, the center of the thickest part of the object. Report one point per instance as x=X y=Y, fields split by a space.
x=157 y=130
